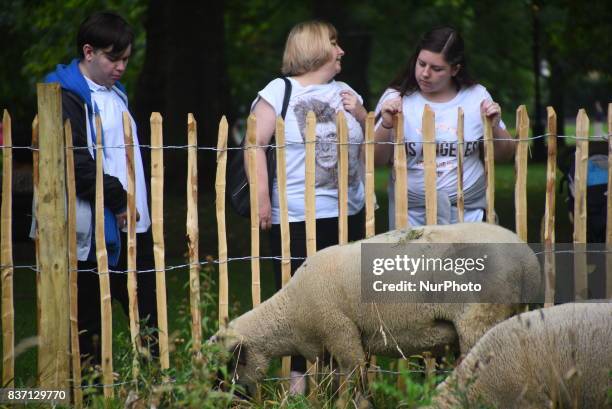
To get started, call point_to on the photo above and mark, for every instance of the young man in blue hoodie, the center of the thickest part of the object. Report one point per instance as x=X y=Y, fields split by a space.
x=90 y=85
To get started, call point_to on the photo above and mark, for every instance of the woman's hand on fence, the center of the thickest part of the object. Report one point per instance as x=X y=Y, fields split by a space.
x=351 y=104
x=388 y=110
x=492 y=110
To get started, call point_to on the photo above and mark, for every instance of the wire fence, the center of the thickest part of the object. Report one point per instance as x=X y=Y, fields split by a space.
x=592 y=138
x=208 y=262
x=195 y=263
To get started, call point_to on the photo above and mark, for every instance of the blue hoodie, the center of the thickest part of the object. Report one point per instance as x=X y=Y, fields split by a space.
x=70 y=78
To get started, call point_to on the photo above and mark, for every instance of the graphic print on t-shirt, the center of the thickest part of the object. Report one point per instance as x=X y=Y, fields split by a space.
x=326 y=148
x=446 y=145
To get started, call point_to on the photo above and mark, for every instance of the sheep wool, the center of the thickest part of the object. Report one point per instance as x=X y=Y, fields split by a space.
x=321 y=308
x=558 y=357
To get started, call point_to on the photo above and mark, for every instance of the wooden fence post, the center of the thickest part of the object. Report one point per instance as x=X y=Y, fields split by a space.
x=460 y=155
x=401 y=196
x=132 y=281
x=429 y=158
x=370 y=223
x=370 y=208
x=221 y=230
x=580 y=206
x=6 y=256
x=342 y=133
x=401 y=177
x=103 y=270
x=193 y=234
x=489 y=155
x=54 y=349
x=609 y=212
x=520 y=169
x=73 y=265
x=431 y=194
x=251 y=155
x=309 y=188
x=35 y=180
x=310 y=214
x=549 y=211
x=281 y=178
x=157 y=229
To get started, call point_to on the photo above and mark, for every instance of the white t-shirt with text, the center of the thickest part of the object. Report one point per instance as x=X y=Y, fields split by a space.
x=446 y=116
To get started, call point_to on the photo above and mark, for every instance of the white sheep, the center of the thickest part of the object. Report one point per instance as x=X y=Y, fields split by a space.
x=555 y=357
x=321 y=307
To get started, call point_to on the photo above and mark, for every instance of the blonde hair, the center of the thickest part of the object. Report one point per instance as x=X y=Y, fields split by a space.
x=308 y=47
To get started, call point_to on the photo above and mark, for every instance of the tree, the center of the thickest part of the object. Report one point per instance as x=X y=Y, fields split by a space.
x=184 y=72
x=350 y=18
x=576 y=48
x=42 y=35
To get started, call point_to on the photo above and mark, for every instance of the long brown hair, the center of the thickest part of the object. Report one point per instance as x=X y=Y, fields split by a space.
x=443 y=40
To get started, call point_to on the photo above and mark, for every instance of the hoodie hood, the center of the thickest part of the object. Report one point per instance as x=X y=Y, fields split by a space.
x=71 y=79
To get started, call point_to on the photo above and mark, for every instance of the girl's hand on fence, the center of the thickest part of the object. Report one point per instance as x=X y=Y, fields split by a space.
x=388 y=110
x=265 y=212
x=492 y=110
x=351 y=104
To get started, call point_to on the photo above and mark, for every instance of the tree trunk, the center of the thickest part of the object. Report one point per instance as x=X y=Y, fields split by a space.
x=184 y=71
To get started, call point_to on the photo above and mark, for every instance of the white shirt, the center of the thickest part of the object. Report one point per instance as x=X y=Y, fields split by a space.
x=446 y=114
x=325 y=101
x=111 y=108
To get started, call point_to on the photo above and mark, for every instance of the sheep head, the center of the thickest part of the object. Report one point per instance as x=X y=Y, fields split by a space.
x=246 y=366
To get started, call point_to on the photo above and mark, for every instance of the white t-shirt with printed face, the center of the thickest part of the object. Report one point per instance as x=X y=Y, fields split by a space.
x=324 y=100
x=446 y=115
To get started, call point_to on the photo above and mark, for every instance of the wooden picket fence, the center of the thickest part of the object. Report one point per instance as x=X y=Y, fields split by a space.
x=54 y=189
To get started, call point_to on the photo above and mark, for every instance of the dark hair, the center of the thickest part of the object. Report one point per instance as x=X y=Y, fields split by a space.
x=444 y=40
x=105 y=29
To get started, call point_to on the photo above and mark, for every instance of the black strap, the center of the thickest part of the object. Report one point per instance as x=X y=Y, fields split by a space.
x=286 y=97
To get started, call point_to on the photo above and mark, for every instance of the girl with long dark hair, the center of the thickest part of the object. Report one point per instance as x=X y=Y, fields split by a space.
x=437 y=75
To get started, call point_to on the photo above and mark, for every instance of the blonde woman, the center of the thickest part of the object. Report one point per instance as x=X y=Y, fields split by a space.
x=311 y=60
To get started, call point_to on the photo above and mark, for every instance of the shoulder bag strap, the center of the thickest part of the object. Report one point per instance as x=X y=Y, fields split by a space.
x=286 y=97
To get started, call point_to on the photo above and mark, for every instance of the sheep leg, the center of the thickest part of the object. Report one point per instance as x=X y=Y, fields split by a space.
x=345 y=346
x=478 y=319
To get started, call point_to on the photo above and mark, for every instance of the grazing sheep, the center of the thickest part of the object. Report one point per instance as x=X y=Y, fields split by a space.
x=321 y=308
x=558 y=357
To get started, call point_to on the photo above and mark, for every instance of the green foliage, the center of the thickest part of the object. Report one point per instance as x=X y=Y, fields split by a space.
x=610 y=388
x=255 y=33
x=43 y=34
x=57 y=42
x=416 y=392
x=498 y=41
x=190 y=381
